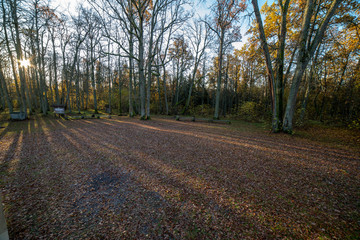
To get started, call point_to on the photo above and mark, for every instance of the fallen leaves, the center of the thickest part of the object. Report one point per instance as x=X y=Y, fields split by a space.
x=122 y=178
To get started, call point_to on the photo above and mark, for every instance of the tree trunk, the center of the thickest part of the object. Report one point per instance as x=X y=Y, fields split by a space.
x=131 y=75
x=19 y=56
x=279 y=80
x=109 y=76
x=86 y=80
x=7 y=42
x=159 y=89
x=50 y=84
x=165 y=92
x=120 y=85
x=78 y=86
x=5 y=90
x=93 y=76
x=304 y=55
x=275 y=84
x=55 y=71
x=225 y=95
x=219 y=75
x=142 y=81
x=150 y=61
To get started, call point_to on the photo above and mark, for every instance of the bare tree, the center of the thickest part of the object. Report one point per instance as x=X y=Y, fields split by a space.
x=226 y=12
x=199 y=38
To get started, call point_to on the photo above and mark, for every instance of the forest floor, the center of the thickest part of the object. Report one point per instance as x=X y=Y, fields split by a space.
x=123 y=178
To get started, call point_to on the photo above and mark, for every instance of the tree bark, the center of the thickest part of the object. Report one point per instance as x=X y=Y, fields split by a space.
x=5 y=90
x=131 y=75
x=304 y=55
x=19 y=56
x=219 y=75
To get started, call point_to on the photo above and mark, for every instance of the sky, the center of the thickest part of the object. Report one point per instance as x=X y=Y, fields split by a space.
x=202 y=9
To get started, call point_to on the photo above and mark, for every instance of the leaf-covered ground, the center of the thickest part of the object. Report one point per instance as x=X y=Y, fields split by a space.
x=123 y=178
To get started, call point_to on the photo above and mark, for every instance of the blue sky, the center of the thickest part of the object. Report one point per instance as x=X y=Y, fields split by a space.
x=201 y=9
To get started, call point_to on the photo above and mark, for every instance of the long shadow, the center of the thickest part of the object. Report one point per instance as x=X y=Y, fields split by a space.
x=4 y=131
x=303 y=155
x=264 y=154
x=162 y=178
x=333 y=185
x=279 y=144
x=106 y=184
x=33 y=187
x=9 y=155
x=176 y=165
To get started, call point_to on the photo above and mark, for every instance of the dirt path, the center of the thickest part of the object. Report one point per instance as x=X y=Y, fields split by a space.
x=124 y=178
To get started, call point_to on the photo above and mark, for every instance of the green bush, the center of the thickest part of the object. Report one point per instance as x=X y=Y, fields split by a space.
x=249 y=111
x=101 y=105
x=355 y=124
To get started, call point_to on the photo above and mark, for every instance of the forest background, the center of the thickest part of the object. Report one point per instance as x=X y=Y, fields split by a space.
x=300 y=61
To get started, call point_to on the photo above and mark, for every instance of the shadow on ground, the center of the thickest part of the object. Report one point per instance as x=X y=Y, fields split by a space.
x=161 y=179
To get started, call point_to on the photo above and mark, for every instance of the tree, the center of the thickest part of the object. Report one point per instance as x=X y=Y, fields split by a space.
x=307 y=47
x=199 y=39
x=275 y=78
x=226 y=12
x=311 y=34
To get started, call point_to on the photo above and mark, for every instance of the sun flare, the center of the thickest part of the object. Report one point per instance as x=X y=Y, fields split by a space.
x=25 y=63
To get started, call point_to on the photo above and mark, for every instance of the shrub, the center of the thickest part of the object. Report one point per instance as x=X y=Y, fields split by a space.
x=355 y=124
x=249 y=111
x=201 y=110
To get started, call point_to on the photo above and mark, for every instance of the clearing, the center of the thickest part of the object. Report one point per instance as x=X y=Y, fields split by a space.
x=123 y=178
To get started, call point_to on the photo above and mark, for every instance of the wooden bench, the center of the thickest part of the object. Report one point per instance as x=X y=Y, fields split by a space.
x=18 y=115
x=59 y=110
x=193 y=119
